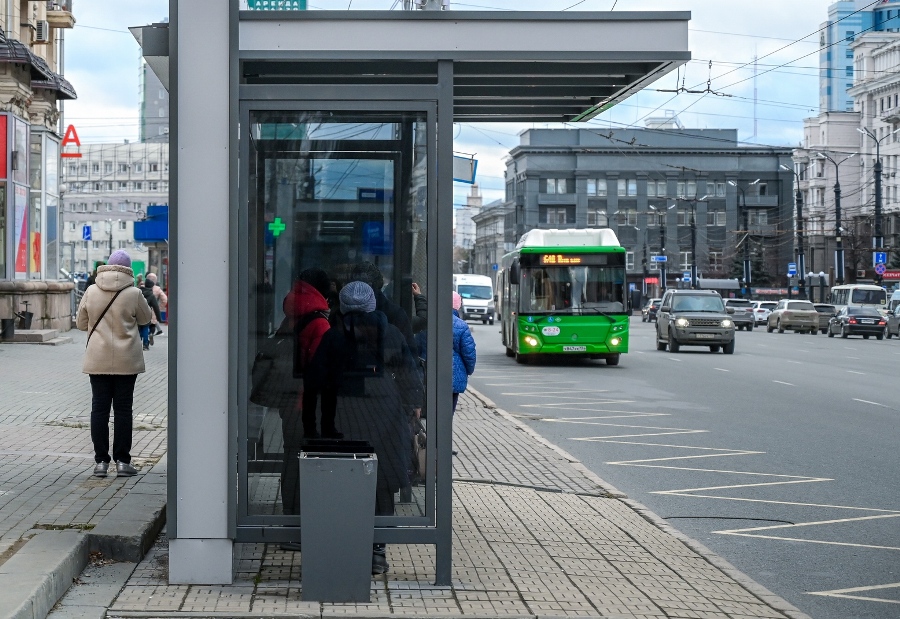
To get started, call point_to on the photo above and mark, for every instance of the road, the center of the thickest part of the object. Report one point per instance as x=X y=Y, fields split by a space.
x=782 y=458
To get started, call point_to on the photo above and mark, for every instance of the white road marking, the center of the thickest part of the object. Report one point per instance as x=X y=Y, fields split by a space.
x=540 y=393
x=849 y=347
x=843 y=593
x=565 y=404
x=857 y=358
x=674 y=359
x=872 y=403
x=722 y=369
x=781 y=382
x=855 y=372
x=797 y=362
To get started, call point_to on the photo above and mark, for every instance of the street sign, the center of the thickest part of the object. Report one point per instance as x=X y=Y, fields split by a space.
x=686 y=276
x=880 y=257
x=86 y=233
x=659 y=258
x=792 y=268
x=494 y=266
x=880 y=268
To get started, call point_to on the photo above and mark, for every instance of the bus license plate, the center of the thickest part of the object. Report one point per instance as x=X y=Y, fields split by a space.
x=574 y=348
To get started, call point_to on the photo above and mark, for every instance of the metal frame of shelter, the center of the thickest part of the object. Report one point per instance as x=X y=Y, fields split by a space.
x=451 y=66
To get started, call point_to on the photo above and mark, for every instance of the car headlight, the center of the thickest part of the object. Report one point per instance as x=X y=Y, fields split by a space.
x=727 y=323
x=682 y=322
x=531 y=340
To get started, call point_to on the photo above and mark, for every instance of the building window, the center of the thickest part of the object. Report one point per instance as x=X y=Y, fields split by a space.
x=123 y=207
x=82 y=169
x=715 y=217
x=154 y=186
x=162 y=112
x=73 y=169
x=627 y=187
x=154 y=167
x=656 y=218
x=849 y=71
x=108 y=206
x=138 y=167
x=720 y=190
x=84 y=207
x=596 y=217
x=684 y=257
x=138 y=186
x=758 y=217
x=95 y=168
x=72 y=226
x=555 y=216
x=596 y=187
x=715 y=260
x=627 y=217
x=107 y=167
x=123 y=225
x=552 y=185
x=653 y=265
x=850 y=34
x=95 y=244
x=656 y=189
x=629 y=261
x=123 y=167
x=849 y=53
x=762 y=189
x=98 y=186
x=122 y=244
x=684 y=216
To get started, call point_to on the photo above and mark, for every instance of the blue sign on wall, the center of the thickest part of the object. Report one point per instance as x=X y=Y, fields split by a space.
x=377 y=239
x=86 y=233
x=880 y=257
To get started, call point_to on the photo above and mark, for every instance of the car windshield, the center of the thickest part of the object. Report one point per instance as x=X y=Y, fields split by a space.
x=800 y=305
x=862 y=311
x=690 y=303
x=474 y=292
x=868 y=297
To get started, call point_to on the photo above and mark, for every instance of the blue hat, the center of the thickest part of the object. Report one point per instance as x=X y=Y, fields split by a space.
x=120 y=257
x=357 y=297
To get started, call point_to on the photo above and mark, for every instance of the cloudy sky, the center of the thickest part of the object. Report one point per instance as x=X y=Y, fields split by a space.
x=102 y=63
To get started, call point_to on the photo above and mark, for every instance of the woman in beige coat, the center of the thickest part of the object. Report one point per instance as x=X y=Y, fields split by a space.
x=110 y=312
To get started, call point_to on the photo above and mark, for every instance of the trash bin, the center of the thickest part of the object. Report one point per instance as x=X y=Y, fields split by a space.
x=337 y=520
x=7 y=329
x=25 y=319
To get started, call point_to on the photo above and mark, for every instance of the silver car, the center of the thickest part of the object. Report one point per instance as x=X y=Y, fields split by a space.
x=694 y=318
x=893 y=323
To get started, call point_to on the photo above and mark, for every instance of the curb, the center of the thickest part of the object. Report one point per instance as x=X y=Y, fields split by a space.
x=128 y=531
x=40 y=573
x=773 y=600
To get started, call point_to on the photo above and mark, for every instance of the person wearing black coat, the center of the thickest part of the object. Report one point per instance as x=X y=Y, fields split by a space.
x=370 y=274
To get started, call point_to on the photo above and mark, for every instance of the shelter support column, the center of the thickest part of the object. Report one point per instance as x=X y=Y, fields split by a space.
x=201 y=475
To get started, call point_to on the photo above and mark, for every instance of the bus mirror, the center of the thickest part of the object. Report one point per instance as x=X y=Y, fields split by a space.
x=514 y=273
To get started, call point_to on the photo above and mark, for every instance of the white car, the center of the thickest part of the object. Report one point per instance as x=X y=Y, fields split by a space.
x=761 y=311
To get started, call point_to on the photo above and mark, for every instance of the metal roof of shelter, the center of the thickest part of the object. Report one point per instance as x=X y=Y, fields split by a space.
x=507 y=66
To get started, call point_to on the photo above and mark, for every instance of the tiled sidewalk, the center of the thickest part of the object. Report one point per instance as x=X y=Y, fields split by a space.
x=534 y=536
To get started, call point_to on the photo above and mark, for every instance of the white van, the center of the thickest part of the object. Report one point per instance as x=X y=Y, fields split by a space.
x=859 y=295
x=894 y=301
x=477 y=292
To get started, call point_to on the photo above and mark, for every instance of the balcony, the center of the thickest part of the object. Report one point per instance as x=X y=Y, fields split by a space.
x=59 y=14
x=763 y=201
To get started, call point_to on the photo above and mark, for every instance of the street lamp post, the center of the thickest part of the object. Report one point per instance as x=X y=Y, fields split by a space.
x=109 y=227
x=801 y=257
x=663 y=266
x=747 y=272
x=694 y=272
x=839 y=245
x=878 y=240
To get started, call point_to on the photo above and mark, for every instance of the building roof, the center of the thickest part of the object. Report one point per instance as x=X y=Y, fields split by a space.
x=42 y=76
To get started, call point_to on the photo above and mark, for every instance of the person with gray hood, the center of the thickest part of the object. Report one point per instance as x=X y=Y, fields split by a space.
x=111 y=311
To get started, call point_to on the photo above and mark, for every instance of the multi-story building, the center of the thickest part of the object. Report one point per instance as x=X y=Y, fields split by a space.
x=847 y=20
x=154 y=115
x=31 y=90
x=108 y=189
x=464 y=227
x=836 y=135
x=649 y=185
x=490 y=238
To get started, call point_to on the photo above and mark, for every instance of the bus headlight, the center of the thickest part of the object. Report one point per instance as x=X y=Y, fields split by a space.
x=531 y=340
x=615 y=341
x=682 y=322
x=727 y=323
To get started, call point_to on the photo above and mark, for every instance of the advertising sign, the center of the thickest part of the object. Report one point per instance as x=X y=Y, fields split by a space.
x=21 y=230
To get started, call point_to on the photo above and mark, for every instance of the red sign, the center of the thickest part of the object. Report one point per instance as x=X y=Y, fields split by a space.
x=891 y=275
x=651 y=280
x=71 y=137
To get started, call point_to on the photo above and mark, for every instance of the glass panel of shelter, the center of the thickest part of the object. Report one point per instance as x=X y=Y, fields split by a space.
x=336 y=198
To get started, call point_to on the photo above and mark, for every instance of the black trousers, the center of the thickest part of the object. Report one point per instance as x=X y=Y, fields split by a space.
x=117 y=391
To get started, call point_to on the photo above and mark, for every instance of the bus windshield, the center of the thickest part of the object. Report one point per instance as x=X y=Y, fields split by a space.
x=868 y=297
x=578 y=289
x=474 y=292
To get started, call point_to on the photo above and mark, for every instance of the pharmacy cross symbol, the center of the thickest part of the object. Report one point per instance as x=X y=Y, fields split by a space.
x=277 y=227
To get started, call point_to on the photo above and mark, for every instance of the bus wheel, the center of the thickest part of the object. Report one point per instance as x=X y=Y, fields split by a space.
x=613 y=359
x=509 y=352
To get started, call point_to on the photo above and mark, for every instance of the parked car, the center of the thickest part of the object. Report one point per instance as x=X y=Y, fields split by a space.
x=825 y=313
x=864 y=321
x=893 y=323
x=761 y=311
x=648 y=312
x=743 y=313
x=694 y=318
x=798 y=316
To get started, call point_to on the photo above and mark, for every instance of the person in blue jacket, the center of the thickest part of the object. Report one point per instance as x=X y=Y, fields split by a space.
x=463 y=351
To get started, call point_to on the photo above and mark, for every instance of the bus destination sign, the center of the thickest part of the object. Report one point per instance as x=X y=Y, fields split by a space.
x=567 y=260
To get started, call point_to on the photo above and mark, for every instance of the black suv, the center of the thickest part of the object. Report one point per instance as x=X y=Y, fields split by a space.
x=694 y=318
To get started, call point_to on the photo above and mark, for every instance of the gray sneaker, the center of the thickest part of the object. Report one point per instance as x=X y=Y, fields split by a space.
x=100 y=469
x=124 y=469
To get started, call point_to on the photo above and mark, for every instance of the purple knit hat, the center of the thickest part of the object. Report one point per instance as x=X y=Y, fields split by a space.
x=120 y=257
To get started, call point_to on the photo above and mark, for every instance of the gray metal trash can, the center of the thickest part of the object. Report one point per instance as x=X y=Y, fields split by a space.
x=337 y=521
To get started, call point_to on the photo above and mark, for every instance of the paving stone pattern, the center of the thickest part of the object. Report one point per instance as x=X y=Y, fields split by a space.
x=543 y=541
x=46 y=456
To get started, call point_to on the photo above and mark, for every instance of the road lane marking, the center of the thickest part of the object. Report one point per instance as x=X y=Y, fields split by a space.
x=855 y=372
x=674 y=359
x=872 y=403
x=797 y=362
x=844 y=593
x=722 y=369
x=781 y=382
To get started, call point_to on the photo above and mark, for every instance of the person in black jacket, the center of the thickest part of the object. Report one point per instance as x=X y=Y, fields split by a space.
x=370 y=274
x=367 y=379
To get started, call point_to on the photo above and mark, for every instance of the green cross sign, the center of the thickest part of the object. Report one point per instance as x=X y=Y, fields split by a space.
x=277 y=227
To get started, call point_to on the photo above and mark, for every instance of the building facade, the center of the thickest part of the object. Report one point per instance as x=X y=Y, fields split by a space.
x=490 y=238
x=31 y=90
x=107 y=190
x=649 y=185
x=154 y=113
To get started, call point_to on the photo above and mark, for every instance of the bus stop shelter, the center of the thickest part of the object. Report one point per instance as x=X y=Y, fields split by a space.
x=324 y=140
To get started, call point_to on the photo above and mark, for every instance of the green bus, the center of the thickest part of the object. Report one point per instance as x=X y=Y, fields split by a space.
x=563 y=292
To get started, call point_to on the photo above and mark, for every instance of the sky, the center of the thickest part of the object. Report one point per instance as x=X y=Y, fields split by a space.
x=103 y=59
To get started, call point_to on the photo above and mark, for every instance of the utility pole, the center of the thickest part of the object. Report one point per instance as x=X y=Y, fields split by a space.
x=109 y=224
x=878 y=240
x=644 y=265
x=662 y=252
x=801 y=257
x=747 y=273
x=694 y=246
x=839 y=245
